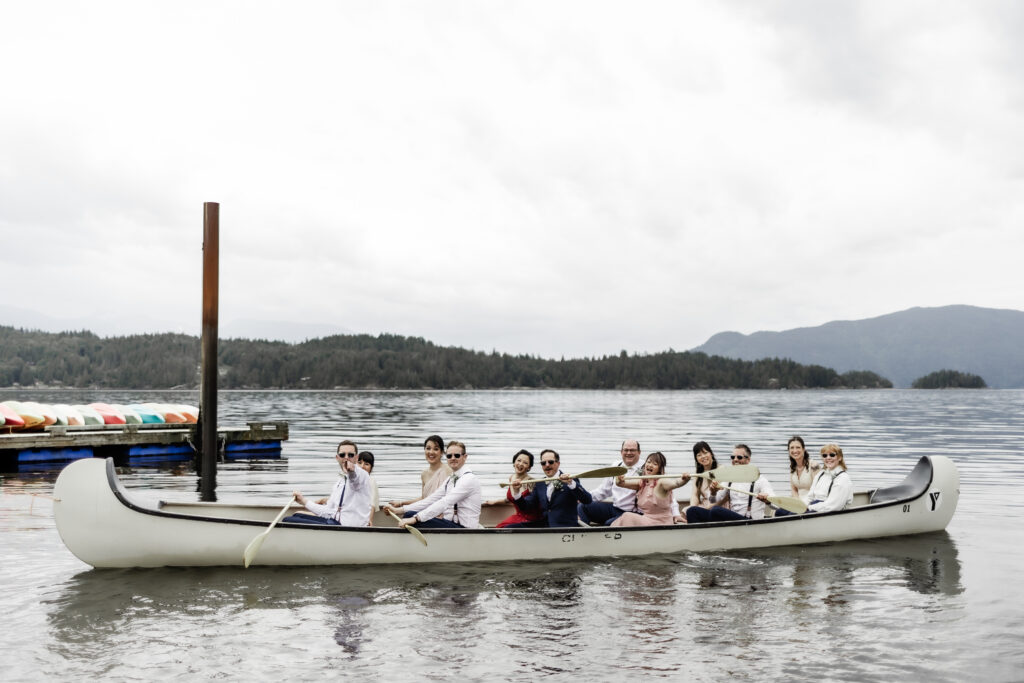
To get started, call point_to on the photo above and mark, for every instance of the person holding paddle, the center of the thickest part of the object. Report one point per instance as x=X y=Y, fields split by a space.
x=623 y=499
x=729 y=505
x=556 y=500
x=455 y=505
x=654 y=496
x=525 y=515
x=349 y=502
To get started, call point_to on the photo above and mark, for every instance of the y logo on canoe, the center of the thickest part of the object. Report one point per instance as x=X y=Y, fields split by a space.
x=934 y=495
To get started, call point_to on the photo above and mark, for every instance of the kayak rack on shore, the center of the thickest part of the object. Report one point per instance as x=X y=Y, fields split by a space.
x=134 y=444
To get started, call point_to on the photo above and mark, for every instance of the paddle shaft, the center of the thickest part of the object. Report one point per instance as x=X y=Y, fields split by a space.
x=794 y=505
x=732 y=473
x=590 y=474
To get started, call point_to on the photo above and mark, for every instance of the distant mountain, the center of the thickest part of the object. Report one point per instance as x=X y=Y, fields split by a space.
x=900 y=346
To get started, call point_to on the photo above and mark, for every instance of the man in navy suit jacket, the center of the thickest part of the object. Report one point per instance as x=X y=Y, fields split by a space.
x=557 y=500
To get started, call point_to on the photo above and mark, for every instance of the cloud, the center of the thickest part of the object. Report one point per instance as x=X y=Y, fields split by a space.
x=560 y=179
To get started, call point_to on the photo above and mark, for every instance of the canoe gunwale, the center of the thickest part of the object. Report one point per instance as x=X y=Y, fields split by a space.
x=913 y=487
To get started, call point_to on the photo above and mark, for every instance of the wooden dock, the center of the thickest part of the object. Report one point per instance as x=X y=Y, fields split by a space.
x=134 y=444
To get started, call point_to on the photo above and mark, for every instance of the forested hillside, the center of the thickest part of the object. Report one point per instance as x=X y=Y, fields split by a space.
x=81 y=359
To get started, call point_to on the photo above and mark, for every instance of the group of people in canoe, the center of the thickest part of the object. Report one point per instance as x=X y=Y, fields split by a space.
x=640 y=494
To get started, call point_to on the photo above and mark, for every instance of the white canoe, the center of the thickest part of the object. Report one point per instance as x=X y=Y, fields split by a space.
x=104 y=526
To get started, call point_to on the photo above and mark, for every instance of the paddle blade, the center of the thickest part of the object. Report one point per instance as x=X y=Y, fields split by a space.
x=737 y=474
x=601 y=473
x=254 y=547
x=794 y=505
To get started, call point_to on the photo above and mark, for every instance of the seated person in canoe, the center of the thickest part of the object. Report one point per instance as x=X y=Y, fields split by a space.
x=701 y=494
x=455 y=505
x=728 y=505
x=801 y=469
x=436 y=472
x=654 y=496
x=832 y=488
x=557 y=500
x=365 y=460
x=522 y=462
x=349 y=502
x=623 y=499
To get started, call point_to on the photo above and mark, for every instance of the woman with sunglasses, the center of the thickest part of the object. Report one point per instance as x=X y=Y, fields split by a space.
x=801 y=469
x=653 y=497
x=526 y=514
x=832 y=488
x=436 y=473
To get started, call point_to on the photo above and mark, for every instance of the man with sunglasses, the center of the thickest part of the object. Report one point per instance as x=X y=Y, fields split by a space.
x=623 y=500
x=730 y=504
x=556 y=500
x=456 y=505
x=349 y=502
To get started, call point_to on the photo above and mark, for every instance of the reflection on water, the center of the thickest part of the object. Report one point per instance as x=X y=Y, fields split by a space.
x=726 y=600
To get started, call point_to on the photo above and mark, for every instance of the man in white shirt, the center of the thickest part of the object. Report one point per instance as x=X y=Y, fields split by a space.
x=623 y=499
x=729 y=505
x=455 y=505
x=349 y=502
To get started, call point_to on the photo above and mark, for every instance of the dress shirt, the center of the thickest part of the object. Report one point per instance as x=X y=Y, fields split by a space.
x=841 y=487
x=738 y=501
x=354 y=508
x=462 y=489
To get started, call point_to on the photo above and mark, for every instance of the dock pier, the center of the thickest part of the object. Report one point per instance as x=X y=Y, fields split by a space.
x=134 y=444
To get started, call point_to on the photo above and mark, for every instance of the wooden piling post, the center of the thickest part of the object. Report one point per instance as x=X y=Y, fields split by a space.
x=207 y=426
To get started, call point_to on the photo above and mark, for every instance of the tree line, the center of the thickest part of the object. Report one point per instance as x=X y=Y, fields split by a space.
x=160 y=361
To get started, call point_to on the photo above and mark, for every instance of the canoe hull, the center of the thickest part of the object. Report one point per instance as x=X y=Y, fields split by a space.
x=101 y=525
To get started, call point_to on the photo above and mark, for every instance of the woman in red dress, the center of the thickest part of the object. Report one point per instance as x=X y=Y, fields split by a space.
x=521 y=464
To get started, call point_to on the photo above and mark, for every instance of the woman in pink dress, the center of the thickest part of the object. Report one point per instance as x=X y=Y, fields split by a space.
x=653 y=497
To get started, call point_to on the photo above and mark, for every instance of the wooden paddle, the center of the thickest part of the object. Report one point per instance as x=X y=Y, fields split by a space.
x=409 y=527
x=741 y=474
x=592 y=474
x=794 y=505
x=254 y=544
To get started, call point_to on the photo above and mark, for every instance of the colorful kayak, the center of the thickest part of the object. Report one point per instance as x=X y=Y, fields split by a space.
x=130 y=416
x=148 y=415
x=10 y=418
x=89 y=415
x=190 y=413
x=30 y=417
x=108 y=413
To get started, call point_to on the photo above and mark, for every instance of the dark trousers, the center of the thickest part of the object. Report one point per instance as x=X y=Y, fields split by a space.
x=696 y=514
x=437 y=523
x=310 y=519
x=599 y=513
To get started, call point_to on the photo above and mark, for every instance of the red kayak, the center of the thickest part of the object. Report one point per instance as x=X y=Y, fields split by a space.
x=110 y=415
x=11 y=418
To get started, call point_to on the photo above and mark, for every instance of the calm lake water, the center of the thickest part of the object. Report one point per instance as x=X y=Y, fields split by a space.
x=937 y=607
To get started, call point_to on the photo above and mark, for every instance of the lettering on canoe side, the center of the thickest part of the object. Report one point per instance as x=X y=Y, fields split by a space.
x=934 y=495
x=616 y=536
x=568 y=538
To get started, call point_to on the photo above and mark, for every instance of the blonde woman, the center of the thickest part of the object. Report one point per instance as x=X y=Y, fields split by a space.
x=832 y=488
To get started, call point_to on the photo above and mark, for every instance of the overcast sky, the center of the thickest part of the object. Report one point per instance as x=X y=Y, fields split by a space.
x=554 y=178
